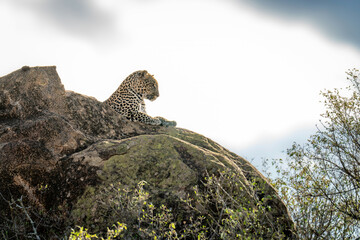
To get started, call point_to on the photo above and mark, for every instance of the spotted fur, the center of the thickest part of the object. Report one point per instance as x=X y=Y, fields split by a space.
x=128 y=99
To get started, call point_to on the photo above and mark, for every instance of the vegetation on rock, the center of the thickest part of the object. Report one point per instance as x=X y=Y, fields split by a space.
x=217 y=209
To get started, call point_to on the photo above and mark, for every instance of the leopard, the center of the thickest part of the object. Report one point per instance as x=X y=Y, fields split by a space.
x=128 y=99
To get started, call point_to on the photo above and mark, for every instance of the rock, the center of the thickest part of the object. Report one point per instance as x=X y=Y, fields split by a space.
x=59 y=149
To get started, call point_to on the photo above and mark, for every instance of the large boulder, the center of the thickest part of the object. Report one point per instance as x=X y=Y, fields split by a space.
x=59 y=150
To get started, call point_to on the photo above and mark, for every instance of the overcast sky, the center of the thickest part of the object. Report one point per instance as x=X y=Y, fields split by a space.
x=246 y=73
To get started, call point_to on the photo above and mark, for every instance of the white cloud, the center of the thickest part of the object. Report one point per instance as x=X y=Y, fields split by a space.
x=83 y=18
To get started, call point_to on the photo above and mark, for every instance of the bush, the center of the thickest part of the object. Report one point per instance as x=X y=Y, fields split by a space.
x=218 y=209
x=320 y=182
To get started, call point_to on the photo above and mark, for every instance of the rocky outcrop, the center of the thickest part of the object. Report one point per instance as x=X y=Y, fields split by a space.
x=58 y=149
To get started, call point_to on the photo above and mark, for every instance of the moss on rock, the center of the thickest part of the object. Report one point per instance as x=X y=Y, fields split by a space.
x=171 y=166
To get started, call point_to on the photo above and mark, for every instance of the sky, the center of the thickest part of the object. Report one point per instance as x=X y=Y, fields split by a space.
x=245 y=73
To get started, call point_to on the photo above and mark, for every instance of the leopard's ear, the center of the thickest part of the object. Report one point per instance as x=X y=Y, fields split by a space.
x=144 y=73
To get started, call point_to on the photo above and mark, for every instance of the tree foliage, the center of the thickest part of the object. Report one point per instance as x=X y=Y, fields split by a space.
x=321 y=181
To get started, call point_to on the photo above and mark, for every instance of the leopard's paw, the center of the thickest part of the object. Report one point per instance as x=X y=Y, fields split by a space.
x=165 y=122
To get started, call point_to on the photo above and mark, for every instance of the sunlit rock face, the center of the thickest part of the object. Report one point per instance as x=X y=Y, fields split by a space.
x=58 y=149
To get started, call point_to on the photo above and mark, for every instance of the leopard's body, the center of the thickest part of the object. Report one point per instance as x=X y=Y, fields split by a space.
x=128 y=99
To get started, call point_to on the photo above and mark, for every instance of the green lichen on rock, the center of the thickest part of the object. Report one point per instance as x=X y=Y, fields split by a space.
x=170 y=165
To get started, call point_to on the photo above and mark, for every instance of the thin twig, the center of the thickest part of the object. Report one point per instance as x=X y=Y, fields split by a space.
x=28 y=217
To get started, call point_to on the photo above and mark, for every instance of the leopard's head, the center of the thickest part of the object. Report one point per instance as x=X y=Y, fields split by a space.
x=146 y=85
